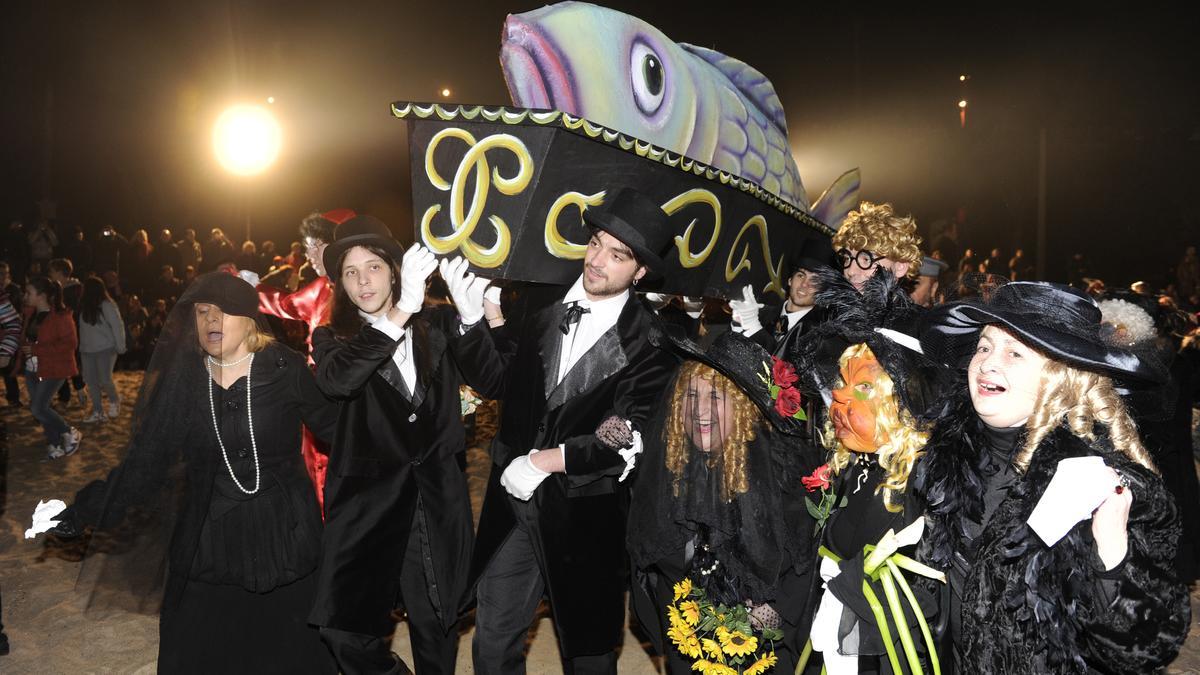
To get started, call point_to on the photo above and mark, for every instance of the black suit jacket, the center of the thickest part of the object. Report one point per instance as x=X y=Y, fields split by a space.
x=770 y=315
x=579 y=517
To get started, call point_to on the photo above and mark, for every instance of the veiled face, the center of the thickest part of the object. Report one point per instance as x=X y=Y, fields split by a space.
x=708 y=415
x=221 y=335
x=855 y=404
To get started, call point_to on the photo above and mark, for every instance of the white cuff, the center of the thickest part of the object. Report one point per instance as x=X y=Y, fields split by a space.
x=388 y=327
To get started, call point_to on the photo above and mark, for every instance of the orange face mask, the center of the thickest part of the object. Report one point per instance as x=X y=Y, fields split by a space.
x=856 y=404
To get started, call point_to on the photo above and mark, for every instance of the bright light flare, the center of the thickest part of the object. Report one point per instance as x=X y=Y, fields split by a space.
x=445 y=93
x=962 y=103
x=246 y=139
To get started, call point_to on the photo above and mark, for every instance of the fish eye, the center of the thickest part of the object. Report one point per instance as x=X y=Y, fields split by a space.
x=648 y=76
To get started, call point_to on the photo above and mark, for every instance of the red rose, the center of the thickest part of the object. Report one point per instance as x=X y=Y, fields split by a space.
x=783 y=374
x=819 y=479
x=788 y=402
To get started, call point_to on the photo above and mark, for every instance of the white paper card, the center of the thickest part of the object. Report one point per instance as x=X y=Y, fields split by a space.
x=1079 y=487
x=42 y=516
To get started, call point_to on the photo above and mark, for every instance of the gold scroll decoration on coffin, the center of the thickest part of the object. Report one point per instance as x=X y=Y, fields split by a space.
x=556 y=243
x=774 y=272
x=464 y=223
x=687 y=259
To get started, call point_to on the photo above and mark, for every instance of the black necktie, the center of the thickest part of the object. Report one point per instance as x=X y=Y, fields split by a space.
x=783 y=326
x=574 y=313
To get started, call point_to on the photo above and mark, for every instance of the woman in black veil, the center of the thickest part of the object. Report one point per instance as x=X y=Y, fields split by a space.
x=211 y=499
x=718 y=496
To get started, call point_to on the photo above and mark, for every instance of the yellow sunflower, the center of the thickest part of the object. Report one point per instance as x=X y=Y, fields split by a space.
x=702 y=666
x=762 y=665
x=713 y=649
x=737 y=643
x=690 y=611
x=679 y=634
x=682 y=589
x=673 y=616
x=690 y=647
x=720 y=669
x=722 y=633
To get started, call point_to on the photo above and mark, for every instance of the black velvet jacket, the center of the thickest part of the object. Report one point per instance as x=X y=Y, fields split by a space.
x=1029 y=608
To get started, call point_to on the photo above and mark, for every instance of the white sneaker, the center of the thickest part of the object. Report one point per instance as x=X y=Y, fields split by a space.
x=113 y=409
x=70 y=441
x=54 y=451
x=94 y=416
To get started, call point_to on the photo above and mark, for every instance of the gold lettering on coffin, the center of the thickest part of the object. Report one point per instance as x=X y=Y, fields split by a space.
x=743 y=263
x=687 y=259
x=464 y=224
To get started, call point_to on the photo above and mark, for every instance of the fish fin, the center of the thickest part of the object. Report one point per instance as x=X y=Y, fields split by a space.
x=838 y=199
x=748 y=80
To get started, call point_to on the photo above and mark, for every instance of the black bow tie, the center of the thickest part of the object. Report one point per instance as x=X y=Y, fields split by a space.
x=574 y=313
x=782 y=328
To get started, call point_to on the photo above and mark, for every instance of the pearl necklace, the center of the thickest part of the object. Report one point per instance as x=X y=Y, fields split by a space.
x=249 y=417
x=223 y=364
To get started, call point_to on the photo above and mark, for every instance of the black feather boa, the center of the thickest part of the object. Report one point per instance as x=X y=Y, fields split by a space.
x=1029 y=608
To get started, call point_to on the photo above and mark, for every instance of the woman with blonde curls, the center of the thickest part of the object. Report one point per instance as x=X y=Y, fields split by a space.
x=717 y=496
x=1040 y=390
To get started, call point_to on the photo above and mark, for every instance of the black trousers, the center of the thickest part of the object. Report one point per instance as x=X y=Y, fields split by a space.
x=434 y=650
x=12 y=389
x=508 y=595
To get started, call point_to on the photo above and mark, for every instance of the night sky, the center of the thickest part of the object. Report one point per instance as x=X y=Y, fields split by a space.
x=108 y=107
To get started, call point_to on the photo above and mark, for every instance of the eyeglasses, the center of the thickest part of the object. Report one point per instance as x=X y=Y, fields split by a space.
x=864 y=259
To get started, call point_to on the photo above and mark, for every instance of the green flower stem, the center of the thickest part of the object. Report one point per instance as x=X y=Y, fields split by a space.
x=893 y=600
x=804 y=656
x=915 y=567
x=881 y=621
x=912 y=600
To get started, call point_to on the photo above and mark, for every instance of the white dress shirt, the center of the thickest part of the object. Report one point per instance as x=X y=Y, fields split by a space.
x=402 y=357
x=795 y=317
x=585 y=334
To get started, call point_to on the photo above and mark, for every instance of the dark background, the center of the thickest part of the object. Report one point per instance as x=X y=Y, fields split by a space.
x=107 y=110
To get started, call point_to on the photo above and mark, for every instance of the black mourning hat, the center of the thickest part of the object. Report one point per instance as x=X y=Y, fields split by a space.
x=747 y=365
x=638 y=222
x=1061 y=322
x=230 y=293
x=359 y=231
x=813 y=254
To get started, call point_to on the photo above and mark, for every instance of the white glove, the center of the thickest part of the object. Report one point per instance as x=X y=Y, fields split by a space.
x=466 y=289
x=415 y=267
x=630 y=454
x=492 y=295
x=745 y=312
x=521 y=477
x=248 y=277
x=43 y=517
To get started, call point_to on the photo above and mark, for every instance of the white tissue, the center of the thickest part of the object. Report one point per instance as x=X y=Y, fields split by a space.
x=42 y=517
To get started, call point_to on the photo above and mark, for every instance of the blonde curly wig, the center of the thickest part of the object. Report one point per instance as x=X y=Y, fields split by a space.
x=877 y=228
x=731 y=456
x=1081 y=399
x=902 y=442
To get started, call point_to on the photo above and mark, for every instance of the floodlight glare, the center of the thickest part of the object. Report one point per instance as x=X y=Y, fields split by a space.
x=246 y=139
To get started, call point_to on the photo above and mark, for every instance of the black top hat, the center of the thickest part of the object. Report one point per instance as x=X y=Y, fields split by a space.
x=230 y=293
x=359 y=231
x=748 y=366
x=1061 y=322
x=813 y=254
x=638 y=222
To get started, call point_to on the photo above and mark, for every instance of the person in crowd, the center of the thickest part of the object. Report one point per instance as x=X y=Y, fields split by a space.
x=266 y=257
x=136 y=320
x=218 y=249
x=166 y=287
x=579 y=361
x=107 y=250
x=875 y=237
x=101 y=340
x=995 y=263
x=718 y=499
x=137 y=271
x=1038 y=398
x=1019 y=267
x=78 y=250
x=397 y=511
x=165 y=252
x=310 y=305
x=12 y=294
x=247 y=258
x=189 y=250
x=42 y=242
x=777 y=327
x=969 y=264
x=48 y=347
x=61 y=271
x=213 y=468
x=883 y=395
x=925 y=291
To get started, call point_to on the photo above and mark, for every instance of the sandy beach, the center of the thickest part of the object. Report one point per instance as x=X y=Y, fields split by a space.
x=43 y=615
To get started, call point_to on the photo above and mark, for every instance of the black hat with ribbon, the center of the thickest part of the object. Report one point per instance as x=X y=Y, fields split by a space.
x=813 y=254
x=1061 y=322
x=360 y=230
x=638 y=222
x=227 y=291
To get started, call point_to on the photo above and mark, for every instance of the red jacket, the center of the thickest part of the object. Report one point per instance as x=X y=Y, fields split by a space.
x=55 y=346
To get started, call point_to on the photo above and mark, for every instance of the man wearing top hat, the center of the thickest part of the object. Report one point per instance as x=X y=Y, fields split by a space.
x=776 y=327
x=583 y=377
